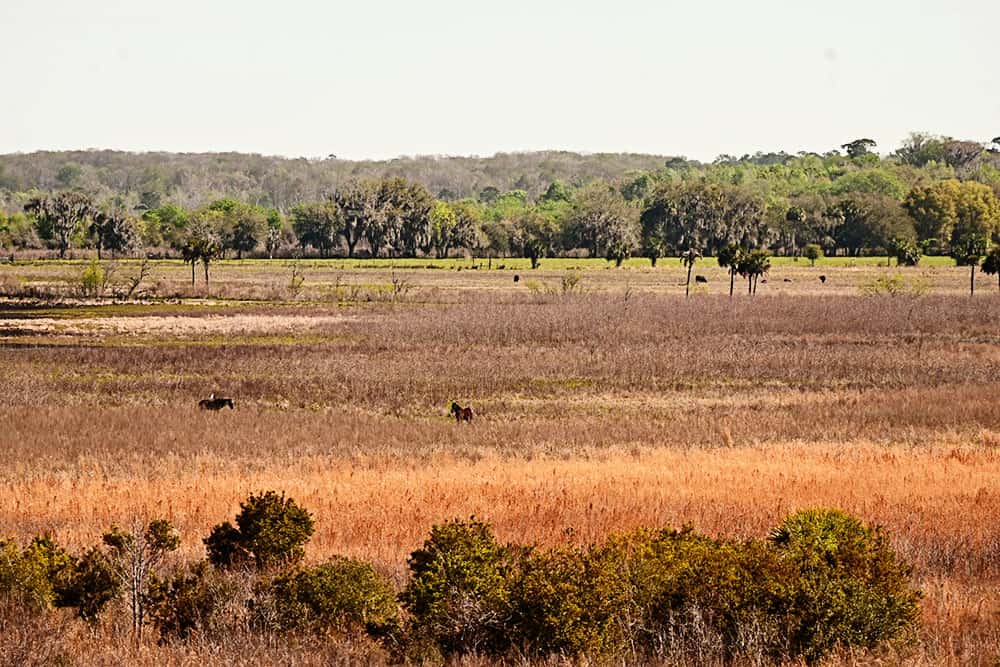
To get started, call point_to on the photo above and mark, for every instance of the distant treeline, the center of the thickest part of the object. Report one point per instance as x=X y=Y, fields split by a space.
x=932 y=195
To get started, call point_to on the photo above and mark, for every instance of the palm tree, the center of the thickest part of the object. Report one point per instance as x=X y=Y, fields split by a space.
x=730 y=258
x=688 y=258
x=991 y=263
x=967 y=251
x=755 y=264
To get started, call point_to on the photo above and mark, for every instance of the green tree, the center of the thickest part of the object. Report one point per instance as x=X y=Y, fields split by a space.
x=754 y=264
x=991 y=263
x=906 y=251
x=360 y=207
x=407 y=206
x=133 y=555
x=967 y=251
x=603 y=222
x=245 y=228
x=202 y=239
x=114 y=230
x=951 y=210
x=452 y=226
x=164 y=225
x=731 y=257
x=270 y=530
x=536 y=235
x=859 y=148
x=688 y=259
x=812 y=252
x=275 y=232
x=60 y=216
x=317 y=225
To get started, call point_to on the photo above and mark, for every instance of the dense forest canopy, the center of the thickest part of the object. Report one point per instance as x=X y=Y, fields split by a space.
x=933 y=194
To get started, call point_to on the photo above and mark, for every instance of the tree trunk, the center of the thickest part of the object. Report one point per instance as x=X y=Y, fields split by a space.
x=687 y=285
x=350 y=247
x=652 y=260
x=732 y=280
x=192 y=272
x=972 y=280
x=206 y=271
x=749 y=285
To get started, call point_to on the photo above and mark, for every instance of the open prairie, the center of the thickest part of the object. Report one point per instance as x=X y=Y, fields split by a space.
x=604 y=401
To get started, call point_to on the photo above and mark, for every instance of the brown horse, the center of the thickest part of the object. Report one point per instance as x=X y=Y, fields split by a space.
x=213 y=403
x=461 y=414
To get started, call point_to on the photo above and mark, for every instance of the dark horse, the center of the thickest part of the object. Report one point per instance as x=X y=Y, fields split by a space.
x=461 y=414
x=213 y=403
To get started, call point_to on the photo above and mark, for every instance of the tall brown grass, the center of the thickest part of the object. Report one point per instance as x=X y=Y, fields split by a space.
x=595 y=413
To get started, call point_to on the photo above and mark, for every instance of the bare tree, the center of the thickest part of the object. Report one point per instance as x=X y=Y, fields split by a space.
x=134 y=555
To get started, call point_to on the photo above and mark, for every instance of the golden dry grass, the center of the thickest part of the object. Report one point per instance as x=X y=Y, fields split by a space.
x=596 y=413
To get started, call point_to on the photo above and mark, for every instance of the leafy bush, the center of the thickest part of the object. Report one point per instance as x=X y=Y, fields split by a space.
x=459 y=590
x=342 y=596
x=89 y=584
x=683 y=581
x=24 y=576
x=92 y=279
x=270 y=530
x=571 y=602
x=851 y=589
x=185 y=603
x=813 y=252
x=43 y=574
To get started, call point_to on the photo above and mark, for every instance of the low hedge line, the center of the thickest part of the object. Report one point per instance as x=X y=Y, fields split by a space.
x=821 y=580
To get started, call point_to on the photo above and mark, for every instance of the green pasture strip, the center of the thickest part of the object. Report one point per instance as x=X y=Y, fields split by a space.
x=454 y=264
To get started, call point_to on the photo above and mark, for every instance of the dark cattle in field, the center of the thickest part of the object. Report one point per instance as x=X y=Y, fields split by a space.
x=461 y=414
x=213 y=403
x=516 y=277
x=788 y=280
x=700 y=279
x=822 y=279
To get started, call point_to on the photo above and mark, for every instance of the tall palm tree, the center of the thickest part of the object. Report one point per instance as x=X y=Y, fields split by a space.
x=688 y=258
x=730 y=257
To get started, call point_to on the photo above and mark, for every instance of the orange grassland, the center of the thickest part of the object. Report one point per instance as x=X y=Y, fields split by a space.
x=597 y=411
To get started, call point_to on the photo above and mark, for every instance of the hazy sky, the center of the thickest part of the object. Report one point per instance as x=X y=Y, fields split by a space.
x=381 y=78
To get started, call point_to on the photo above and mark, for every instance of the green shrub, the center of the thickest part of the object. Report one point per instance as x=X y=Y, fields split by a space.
x=271 y=530
x=88 y=585
x=184 y=603
x=91 y=279
x=24 y=576
x=850 y=588
x=813 y=252
x=686 y=587
x=571 y=602
x=459 y=589
x=342 y=596
x=43 y=574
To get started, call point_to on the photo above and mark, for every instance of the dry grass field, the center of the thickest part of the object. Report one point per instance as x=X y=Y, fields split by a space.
x=603 y=405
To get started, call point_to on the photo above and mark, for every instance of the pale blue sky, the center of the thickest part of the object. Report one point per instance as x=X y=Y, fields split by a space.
x=383 y=78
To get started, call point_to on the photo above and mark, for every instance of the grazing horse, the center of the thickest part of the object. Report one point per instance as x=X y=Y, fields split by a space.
x=700 y=279
x=213 y=403
x=461 y=414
